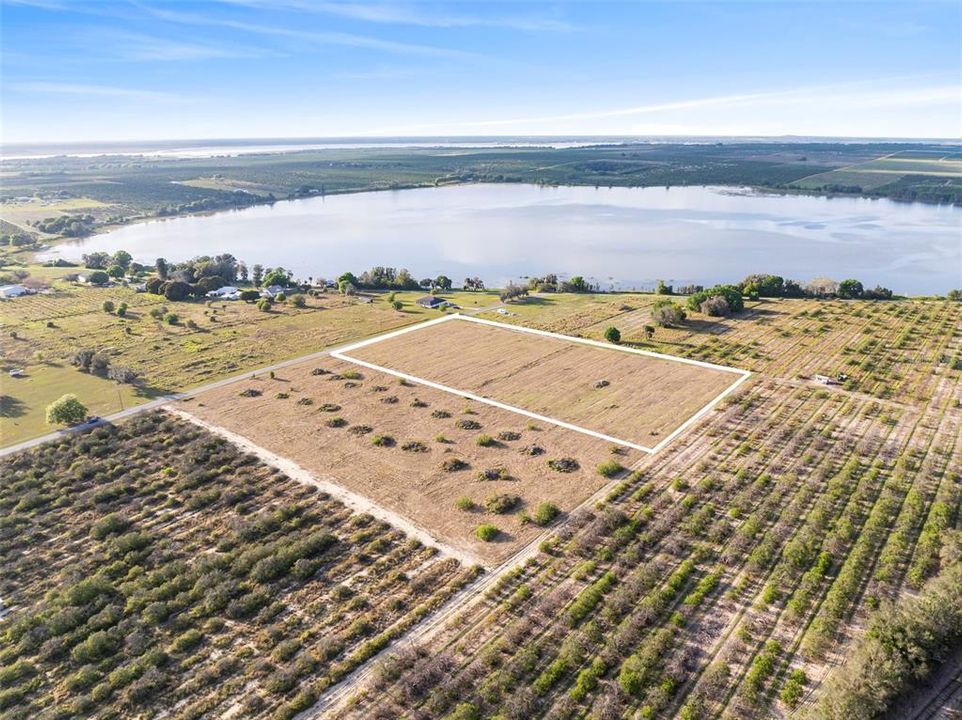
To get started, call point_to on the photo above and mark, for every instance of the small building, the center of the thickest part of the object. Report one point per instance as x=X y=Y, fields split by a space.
x=430 y=301
x=273 y=291
x=14 y=291
x=228 y=292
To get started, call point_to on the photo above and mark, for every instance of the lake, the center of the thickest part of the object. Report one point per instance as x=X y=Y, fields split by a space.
x=621 y=238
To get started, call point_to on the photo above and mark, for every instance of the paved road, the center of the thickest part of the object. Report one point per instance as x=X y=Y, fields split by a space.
x=163 y=400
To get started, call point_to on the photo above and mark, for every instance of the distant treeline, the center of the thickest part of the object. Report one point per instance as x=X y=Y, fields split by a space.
x=206 y=273
x=772 y=286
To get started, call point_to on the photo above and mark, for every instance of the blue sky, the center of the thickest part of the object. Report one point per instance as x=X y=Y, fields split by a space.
x=74 y=71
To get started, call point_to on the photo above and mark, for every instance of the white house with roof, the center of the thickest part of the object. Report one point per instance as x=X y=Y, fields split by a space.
x=14 y=291
x=273 y=291
x=228 y=292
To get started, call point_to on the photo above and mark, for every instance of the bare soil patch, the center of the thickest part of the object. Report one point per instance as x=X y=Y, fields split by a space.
x=413 y=482
x=622 y=394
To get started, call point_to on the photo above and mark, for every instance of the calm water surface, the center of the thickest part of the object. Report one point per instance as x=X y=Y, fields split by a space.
x=619 y=237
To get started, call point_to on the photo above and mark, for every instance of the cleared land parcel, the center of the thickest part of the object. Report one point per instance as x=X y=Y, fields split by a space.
x=447 y=464
x=637 y=398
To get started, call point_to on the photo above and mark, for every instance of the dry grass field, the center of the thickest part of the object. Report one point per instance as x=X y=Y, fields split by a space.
x=210 y=341
x=623 y=394
x=389 y=441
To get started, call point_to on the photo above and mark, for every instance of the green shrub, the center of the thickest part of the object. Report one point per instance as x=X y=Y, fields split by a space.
x=794 y=688
x=564 y=465
x=610 y=468
x=501 y=503
x=464 y=503
x=545 y=513
x=453 y=464
x=487 y=532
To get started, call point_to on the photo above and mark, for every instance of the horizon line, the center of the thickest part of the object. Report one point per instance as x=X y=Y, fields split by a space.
x=477 y=137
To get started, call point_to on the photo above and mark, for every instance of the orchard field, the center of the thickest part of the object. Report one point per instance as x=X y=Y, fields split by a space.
x=153 y=569
x=749 y=569
x=796 y=552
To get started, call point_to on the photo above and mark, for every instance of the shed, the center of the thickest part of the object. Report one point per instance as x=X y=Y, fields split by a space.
x=13 y=291
x=430 y=301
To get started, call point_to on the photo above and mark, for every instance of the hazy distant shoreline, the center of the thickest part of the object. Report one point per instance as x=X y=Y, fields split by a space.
x=220 y=147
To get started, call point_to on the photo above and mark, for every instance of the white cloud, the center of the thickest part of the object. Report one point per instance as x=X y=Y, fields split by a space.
x=316 y=37
x=145 y=48
x=411 y=14
x=60 y=88
x=784 y=110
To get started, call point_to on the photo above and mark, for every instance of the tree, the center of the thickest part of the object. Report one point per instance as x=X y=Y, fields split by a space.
x=613 y=334
x=878 y=293
x=821 y=287
x=122 y=375
x=108 y=306
x=850 y=289
x=347 y=277
x=122 y=309
x=249 y=295
x=298 y=301
x=96 y=261
x=265 y=305
x=122 y=258
x=576 y=284
x=666 y=313
x=663 y=289
x=426 y=283
x=68 y=410
x=176 y=290
x=277 y=276
x=716 y=306
x=649 y=332
x=208 y=284
x=161 y=266
x=764 y=285
x=513 y=291
x=731 y=293
x=397 y=305
x=98 y=277
x=955 y=295
x=442 y=282
x=155 y=285
x=257 y=274
x=115 y=271
x=242 y=271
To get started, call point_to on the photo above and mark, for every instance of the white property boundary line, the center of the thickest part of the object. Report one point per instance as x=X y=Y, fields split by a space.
x=341 y=354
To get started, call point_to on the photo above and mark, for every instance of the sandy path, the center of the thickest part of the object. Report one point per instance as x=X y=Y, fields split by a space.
x=355 y=502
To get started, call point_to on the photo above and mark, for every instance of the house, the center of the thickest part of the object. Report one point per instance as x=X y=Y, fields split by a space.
x=273 y=291
x=228 y=292
x=430 y=302
x=14 y=291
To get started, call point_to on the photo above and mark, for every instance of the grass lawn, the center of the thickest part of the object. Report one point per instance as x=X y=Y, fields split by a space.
x=209 y=342
x=23 y=401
